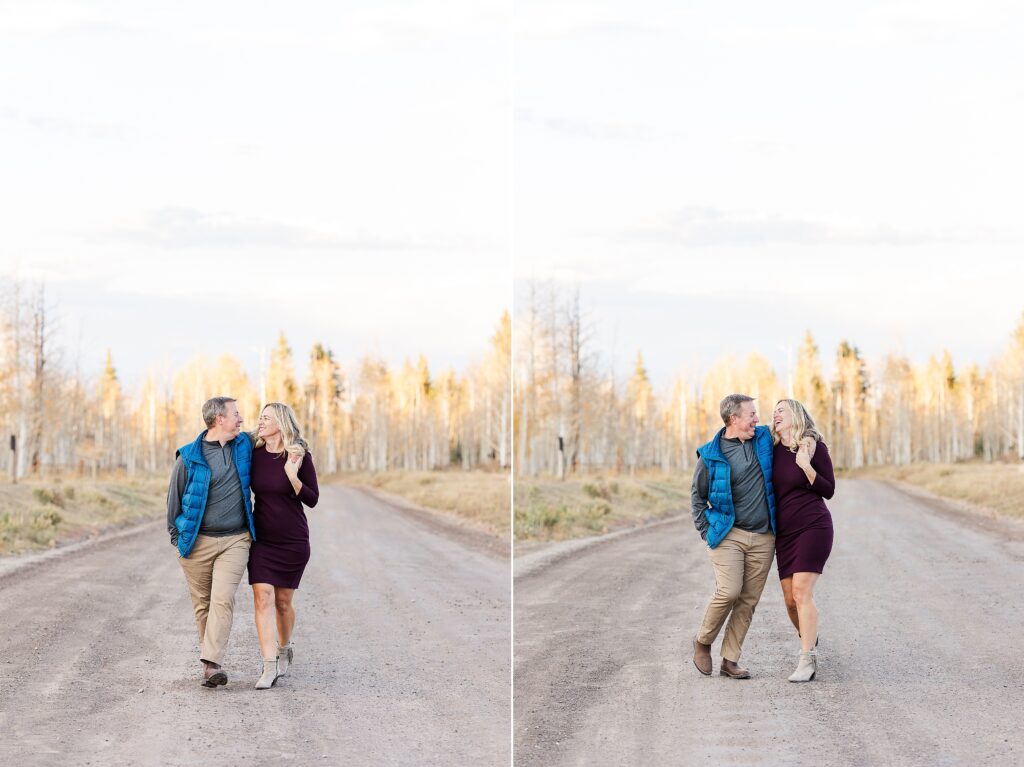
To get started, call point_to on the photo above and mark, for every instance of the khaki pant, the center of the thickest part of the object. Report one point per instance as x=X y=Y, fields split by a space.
x=213 y=571
x=741 y=562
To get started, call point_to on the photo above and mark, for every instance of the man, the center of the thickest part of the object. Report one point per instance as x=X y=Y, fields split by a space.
x=209 y=518
x=734 y=511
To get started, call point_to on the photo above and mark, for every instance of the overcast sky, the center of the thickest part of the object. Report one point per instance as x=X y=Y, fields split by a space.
x=717 y=177
x=194 y=177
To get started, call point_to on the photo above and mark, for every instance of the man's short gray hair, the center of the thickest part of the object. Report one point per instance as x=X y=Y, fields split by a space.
x=732 y=405
x=214 y=407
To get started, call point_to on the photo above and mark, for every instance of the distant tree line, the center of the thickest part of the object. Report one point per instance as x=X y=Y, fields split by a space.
x=574 y=414
x=373 y=418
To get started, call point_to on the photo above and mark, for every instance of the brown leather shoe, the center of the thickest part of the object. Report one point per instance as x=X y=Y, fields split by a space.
x=732 y=669
x=702 y=657
x=213 y=675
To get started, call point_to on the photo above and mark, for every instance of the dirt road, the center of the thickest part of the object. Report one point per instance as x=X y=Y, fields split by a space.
x=402 y=654
x=922 y=617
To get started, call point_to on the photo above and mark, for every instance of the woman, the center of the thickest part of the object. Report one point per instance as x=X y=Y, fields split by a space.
x=802 y=476
x=283 y=478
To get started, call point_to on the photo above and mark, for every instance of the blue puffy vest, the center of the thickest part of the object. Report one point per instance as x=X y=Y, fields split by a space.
x=197 y=488
x=722 y=514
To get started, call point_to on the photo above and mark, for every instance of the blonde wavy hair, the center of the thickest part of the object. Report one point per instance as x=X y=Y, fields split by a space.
x=291 y=435
x=803 y=425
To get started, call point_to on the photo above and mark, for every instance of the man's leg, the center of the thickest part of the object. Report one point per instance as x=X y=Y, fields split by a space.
x=198 y=569
x=759 y=549
x=727 y=559
x=228 y=569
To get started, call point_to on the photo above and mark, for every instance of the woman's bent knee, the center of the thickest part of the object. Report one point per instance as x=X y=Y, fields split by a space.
x=263 y=597
x=803 y=596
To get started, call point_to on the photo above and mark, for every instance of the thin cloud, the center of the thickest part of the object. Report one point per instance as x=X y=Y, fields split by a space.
x=609 y=29
x=591 y=129
x=60 y=126
x=580 y=21
x=104 y=30
x=698 y=227
x=190 y=228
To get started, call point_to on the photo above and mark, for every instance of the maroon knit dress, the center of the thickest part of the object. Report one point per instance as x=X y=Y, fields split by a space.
x=803 y=538
x=281 y=549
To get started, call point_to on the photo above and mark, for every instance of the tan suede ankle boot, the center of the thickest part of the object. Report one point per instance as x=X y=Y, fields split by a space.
x=807 y=667
x=270 y=674
x=285 y=653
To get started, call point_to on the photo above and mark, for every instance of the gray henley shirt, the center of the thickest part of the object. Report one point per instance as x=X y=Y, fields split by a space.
x=225 y=507
x=748 y=492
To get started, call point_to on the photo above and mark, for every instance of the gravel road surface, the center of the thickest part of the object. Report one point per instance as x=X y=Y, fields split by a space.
x=402 y=653
x=922 y=618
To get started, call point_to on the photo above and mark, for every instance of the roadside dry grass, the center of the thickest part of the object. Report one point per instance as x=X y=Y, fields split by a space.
x=548 y=510
x=40 y=513
x=479 y=497
x=995 y=486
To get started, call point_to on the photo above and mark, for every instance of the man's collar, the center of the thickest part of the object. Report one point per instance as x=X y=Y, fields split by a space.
x=736 y=438
x=206 y=438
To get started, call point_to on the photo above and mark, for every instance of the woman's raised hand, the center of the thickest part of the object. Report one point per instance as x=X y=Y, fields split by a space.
x=291 y=466
x=803 y=454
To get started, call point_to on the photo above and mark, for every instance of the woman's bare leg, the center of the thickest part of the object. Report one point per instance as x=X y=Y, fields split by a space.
x=803 y=593
x=285 y=614
x=787 y=595
x=263 y=601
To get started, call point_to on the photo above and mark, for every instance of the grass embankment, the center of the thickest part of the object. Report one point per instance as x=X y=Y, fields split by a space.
x=547 y=509
x=40 y=513
x=479 y=497
x=995 y=486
